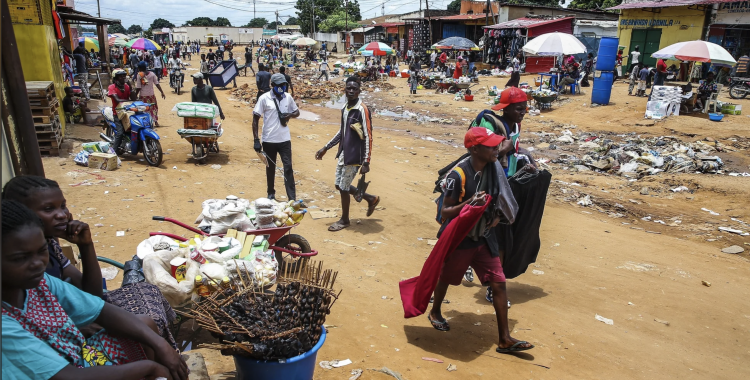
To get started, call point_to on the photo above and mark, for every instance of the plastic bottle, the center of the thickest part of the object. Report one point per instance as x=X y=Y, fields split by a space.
x=289 y=222
x=225 y=283
x=298 y=215
x=201 y=288
x=298 y=205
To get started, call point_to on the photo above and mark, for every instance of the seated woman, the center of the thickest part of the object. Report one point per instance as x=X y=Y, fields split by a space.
x=571 y=77
x=705 y=90
x=44 y=197
x=41 y=315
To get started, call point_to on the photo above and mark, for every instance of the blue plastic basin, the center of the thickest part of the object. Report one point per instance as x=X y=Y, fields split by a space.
x=715 y=116
x=300 y=367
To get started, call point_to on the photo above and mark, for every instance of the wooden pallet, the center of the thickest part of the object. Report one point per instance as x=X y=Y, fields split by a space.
x=48 y=143
x=45 y=111
x=40 y=88
x=54 y=124
x=49 y=152
x=42 y=101
x=42 y=119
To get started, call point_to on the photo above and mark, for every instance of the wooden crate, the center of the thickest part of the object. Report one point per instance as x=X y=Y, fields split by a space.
x=45 y=110
x=49 y=152
x=197 y=123
x=42 y=119
x=42 y=101
x=40 y=88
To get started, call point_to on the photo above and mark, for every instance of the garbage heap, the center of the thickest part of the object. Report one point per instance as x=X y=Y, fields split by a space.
x=269 y=326
x=302 y=90
x=633 y=155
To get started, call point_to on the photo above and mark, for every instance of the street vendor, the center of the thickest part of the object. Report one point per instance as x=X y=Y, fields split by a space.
x=457 y=72
x=354 y=139
x=276 y=108
x=45 y=198
x=203 y=93
x=42 y=315
x=705 y=90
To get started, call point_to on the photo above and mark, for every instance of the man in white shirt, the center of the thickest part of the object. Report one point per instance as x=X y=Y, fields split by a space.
x=276 y=108
x=175 y=63
x=324 y=70
x=433 y=56
x=634 y=57
x=158 y=64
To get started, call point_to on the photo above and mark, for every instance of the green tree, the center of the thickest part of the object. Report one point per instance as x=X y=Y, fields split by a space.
x=221 y=21
x=258 y=22
x=323 y=9
x=353 y=9
x=593 y=4
x=149 y=33
x=272 y=25
x=117 y=28
x=292 y=21
x=160 y=23
x=134 y=29
x=337 y=22
x=200 y=21
x=547 y=3
x=455 y=6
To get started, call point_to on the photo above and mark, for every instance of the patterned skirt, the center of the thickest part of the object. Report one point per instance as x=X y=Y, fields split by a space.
x=154 y=110
x=146 y=299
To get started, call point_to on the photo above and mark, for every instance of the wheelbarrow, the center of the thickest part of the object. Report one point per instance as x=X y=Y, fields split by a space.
x=202 y=135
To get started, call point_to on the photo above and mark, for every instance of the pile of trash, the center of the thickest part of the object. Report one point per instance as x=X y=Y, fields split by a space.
x=97 y=155
x=633 y=155
x=302 y=90
x=399 y=113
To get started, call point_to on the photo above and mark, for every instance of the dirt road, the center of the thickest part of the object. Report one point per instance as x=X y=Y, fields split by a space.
x=645 y=276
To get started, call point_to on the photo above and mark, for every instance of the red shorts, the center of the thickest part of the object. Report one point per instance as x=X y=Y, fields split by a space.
x=488 y=268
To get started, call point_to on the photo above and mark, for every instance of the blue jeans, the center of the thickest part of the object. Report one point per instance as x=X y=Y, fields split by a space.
x=432 y=65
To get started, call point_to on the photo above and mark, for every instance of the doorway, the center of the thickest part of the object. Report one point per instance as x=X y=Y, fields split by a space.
x=648 y=40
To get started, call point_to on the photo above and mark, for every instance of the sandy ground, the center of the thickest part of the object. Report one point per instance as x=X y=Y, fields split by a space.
x=646 y=277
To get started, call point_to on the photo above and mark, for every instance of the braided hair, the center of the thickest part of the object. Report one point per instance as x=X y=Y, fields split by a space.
x=20 y=188
x=17 y=216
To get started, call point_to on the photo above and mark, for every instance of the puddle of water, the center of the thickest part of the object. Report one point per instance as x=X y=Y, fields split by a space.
x=307 y=115
x=336 y=102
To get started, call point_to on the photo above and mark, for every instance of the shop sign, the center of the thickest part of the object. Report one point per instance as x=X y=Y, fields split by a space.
x=648 y=23
x=392 y=30
x=737 y=12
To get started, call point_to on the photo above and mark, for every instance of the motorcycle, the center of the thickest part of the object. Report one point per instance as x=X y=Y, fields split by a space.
x=176 y=80
x=140 y=137
x=739 y=88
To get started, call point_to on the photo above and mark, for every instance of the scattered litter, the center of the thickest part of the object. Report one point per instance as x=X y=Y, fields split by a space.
x=356 y=373
x=539 y=272
x=370 y=273
x=109 y=273
x=431 y=242
x=605 y=320
x=451 y=368
x=120 y=233
x=661 y=321
x=98 y=225
x=735 y=249
x=478 y=324
x=432 y=360
x=335 y=363
x=710 y=212
x=389 y=372
x=585 y=201
x=384 y=326
x=679 y=188
x=322 y=214
x=706 y=284
x=732 y=230
x=384 y=297
x=174 y=167
x=637 y=267
x=216 y=166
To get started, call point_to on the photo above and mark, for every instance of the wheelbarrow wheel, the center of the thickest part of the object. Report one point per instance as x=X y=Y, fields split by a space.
x=200 y=154
x=288 y=262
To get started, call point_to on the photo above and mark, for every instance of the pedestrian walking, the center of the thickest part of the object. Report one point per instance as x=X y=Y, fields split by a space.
x=144 y=89
x=323 y=67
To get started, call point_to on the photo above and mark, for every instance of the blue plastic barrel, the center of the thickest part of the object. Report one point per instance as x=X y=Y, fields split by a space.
x=300 y=367
x=602 y=89
x=605 y=59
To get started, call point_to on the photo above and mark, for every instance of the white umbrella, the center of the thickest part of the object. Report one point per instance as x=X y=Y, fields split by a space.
x=554 y=44
x=304 y=41
x=699 y=51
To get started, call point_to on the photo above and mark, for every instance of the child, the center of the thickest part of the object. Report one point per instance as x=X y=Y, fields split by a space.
x=642 y=76
x=634 y=74
x=204 y=66
x=41 y=316
x=413 y=83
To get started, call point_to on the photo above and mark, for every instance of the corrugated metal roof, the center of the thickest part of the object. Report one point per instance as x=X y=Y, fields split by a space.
x=668 y=3
x=389 y=24
x=462 y=17
x=524 y=22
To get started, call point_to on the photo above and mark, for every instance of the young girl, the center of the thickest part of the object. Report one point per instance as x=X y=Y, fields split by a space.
x=44 y=197
x=41 y=313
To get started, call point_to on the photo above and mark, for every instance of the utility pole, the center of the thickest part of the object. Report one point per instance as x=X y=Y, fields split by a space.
x=382 y=9
x=420 y=5
x=253 y=8
x=487 y=14
x=98 y=9
x=277 y=23
x=429 y=21
x=313 y=19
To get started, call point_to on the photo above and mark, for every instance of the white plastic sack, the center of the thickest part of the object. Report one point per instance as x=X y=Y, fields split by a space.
x=629 y=167
x=156 y=269
x=214 y=271
x=220 y=257
x=146 y=247
x=223 y=214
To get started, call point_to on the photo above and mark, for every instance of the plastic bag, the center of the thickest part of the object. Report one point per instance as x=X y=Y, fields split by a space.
x=156 y=268
x=223 y=214
x=146 y=247
x=214 y=271
x=220 y=257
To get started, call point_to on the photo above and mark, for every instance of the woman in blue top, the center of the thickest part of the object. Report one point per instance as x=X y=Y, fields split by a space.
x=42 y=315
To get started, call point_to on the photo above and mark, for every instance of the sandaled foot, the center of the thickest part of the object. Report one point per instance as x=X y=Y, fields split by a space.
x=338 y=226
x=516 y=347
x=440 y=325
x=371 y=207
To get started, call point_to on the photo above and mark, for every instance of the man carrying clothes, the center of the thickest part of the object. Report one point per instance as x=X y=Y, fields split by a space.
x=203 y=93
x=276 y=108
x=82 y=72
x=355 y=150
x=120 y=92
x=262 y=81
x=469 y=183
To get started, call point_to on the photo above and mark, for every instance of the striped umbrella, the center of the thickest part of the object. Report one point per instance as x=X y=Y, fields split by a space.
x=698 y=51
x=89 y=43
x=375 y=48
x=455 y=43
x=117 y=41
x=143 y=44
x=304 y=41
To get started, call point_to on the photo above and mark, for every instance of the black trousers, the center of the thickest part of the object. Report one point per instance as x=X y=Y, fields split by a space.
x=283 y=149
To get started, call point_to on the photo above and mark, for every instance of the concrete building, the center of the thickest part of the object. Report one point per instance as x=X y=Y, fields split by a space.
x=203 y=33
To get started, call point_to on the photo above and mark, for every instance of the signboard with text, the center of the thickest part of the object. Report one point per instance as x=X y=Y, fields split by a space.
x=734 y=13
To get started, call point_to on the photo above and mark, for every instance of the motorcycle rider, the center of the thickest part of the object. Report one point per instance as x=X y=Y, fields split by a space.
x=120 y=92
x=175 y=63
x=203 y=93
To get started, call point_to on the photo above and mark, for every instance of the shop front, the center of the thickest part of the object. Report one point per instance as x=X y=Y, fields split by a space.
x=504 y=40
x=731 y=27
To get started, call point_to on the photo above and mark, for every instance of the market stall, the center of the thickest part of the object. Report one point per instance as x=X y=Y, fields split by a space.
x=503 y=41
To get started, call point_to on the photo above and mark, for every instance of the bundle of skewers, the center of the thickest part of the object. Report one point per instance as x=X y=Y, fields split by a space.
x=269 y=325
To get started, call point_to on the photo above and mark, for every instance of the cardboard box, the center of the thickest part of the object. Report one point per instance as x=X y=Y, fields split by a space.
x=103 y=161
x=72 y=256
x=731 y=109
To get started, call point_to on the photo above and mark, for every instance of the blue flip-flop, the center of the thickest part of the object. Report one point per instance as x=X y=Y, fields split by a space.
x=514 y=348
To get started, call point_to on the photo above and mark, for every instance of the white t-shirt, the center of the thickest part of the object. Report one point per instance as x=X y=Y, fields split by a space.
x=273 y=131
x=175 y=63
x=433 y=56
x=635 y=55
x=157 y=62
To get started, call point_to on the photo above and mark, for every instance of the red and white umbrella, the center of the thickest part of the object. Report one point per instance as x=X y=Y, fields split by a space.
x=375 y=48
x=698 y=51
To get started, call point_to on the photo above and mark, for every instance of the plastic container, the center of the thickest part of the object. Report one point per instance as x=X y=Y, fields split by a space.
x=468 y=98
x=715 y=116
x=602 y=89
x=300 y=367
x=607 y=55
x=404 y=75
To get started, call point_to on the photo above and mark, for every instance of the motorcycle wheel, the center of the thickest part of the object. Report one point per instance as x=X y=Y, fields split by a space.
x=291 y=242
x=739 y=91
x=152 y=151
x=200 y=154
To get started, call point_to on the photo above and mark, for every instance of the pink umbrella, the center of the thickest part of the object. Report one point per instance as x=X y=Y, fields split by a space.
x=699 y=51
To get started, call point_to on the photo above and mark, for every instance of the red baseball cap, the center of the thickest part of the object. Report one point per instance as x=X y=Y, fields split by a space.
x=481 y=136
x=509 y=96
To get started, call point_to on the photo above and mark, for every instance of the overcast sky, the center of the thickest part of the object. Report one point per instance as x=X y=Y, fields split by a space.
x=239 y=12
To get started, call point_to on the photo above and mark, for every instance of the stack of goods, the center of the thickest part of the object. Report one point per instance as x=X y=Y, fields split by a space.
x=189 y=109
x=43 y=102
x=502 y=44
x=421 y=39
x=269 y=326
x=268 y=213
x=665 y=101
x=97 y=155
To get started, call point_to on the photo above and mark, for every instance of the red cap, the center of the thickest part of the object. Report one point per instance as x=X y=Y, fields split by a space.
x=481 y=136
x=509 y=96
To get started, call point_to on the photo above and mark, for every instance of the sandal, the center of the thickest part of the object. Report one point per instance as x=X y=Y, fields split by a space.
x=371 y=208
x=439 y=325
x=338 y=226
x=514 y=348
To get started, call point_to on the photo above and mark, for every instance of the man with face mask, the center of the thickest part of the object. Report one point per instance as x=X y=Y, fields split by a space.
x=276 y=107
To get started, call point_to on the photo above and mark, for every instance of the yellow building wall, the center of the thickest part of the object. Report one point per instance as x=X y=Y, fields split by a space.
x=678 y=24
